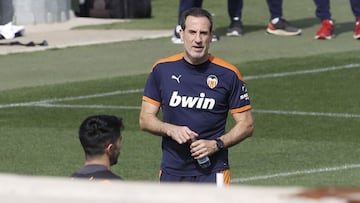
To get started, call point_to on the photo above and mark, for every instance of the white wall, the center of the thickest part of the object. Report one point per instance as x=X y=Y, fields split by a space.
x=6 y=11
x=41 y=11
x=30 y=189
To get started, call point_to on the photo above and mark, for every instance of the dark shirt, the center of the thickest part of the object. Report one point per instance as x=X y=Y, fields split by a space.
x=197 y=96
x=95 y=172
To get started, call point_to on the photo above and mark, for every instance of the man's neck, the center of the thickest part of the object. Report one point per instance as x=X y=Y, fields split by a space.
x=99 y=161
x=196 y=61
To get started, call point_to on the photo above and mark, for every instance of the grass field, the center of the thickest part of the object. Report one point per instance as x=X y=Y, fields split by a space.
x=305 y=96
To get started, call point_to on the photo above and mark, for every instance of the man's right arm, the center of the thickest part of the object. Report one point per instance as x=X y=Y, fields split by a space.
x=150 y=122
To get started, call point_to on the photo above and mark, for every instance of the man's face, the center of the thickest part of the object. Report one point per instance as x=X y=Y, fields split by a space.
x=115 y=153
x=196 y=38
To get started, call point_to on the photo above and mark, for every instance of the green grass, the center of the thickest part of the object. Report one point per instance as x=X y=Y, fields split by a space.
x=104 y=61
x=42 y=141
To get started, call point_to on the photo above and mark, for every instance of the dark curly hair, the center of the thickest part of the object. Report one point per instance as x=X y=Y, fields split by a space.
x=98 y=131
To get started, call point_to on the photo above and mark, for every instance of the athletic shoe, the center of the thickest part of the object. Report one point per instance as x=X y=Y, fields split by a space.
x=326 y=30
x=357 y=30
x=279 y=26
x=176 y=37
x=215 y=38
x=177 y=40
x=235 y=28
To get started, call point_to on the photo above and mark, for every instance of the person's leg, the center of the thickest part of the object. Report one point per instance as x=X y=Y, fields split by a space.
x=186 y=4
x=235 y=9
x=235 y=14
x=275 y=8
x=322 y=11
x=355 y=7
x=278 y=25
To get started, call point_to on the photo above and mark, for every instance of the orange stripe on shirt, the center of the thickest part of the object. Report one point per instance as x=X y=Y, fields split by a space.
x=168 y=59
x=241 y=109
x=212 y=59
x=151 y=101
x=225 y=64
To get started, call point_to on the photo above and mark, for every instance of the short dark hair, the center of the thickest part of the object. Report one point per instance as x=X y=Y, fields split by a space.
x=98 y=131
x=197 y=12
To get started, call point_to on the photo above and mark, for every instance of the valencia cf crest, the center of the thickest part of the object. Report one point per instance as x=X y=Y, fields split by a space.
x=212 y=81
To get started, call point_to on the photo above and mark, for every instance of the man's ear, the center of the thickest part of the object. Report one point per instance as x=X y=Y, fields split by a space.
x=109 y=149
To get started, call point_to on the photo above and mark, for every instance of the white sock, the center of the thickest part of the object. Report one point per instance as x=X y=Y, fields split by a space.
x=275 y=20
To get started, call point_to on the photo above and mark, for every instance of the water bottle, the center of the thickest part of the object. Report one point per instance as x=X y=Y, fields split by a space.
x=204 y=162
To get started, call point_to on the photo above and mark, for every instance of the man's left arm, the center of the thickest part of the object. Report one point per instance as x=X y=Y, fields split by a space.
x=242 y=129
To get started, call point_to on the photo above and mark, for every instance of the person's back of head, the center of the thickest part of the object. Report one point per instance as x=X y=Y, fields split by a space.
x=97 y=132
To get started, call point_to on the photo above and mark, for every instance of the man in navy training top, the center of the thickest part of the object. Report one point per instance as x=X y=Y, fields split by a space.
x=195 y=91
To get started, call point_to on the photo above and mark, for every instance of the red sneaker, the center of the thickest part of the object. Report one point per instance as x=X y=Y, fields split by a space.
x=357 y=30
x=326 y=30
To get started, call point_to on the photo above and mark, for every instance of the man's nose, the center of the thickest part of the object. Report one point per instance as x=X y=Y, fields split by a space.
x=198 y=37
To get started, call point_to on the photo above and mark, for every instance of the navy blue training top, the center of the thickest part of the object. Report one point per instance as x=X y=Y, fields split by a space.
x=197 y=96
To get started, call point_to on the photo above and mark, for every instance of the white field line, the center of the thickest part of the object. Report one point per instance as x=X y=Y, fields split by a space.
x=303 y=72
x=300 y=113
x=48 y=101
x=106 y=94
x=318 y=114
x=294 y=173
x=48 y=105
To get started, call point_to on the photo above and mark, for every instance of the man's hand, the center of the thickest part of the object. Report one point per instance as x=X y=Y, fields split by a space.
x=181 y=134
x=202 y=148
